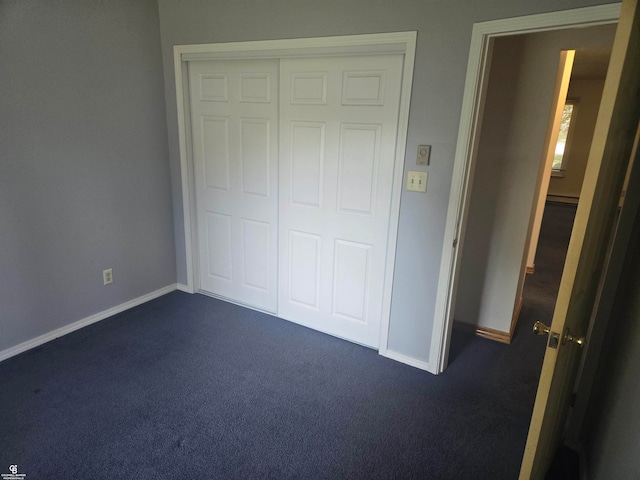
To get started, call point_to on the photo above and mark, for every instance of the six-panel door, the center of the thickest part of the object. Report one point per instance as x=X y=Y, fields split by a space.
x=298 y=228
x=234 y=115
x=338 y=128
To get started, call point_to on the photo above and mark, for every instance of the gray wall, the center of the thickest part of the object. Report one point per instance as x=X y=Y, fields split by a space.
x=517 y=111
x=444 y=33
x=489 y=247
x=84 y=171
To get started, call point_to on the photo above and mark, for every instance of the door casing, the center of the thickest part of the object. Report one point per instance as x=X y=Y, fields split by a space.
x=399 y=43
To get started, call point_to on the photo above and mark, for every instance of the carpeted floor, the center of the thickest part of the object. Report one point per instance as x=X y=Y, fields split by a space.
x=189 y=387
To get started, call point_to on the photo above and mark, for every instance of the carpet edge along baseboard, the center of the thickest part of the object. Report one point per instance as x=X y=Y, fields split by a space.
x=72 y=327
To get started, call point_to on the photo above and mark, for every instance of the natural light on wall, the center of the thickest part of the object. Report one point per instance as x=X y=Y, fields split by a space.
x=563 y=138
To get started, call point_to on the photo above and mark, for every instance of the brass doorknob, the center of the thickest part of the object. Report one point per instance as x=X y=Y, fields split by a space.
x=540 y=328
x=570 y=338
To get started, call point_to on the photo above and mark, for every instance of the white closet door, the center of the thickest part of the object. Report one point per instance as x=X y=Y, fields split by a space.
x=234 y=114
x=338 y=128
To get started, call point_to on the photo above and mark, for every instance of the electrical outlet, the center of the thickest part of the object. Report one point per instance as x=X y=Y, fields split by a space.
x=107 y=276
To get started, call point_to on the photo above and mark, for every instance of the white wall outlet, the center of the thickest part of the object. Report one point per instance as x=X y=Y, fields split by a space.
x=107 y=276
x=424 y=151
x=417 y=181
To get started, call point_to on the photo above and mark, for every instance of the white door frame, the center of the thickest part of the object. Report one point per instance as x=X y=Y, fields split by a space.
x=466 y=148
x=385 y=43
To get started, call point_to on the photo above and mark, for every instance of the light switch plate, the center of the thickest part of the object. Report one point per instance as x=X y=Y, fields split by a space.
x=417 y=181
x=424 y=151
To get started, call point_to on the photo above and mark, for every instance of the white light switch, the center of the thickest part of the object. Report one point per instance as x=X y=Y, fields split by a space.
x=417 y=181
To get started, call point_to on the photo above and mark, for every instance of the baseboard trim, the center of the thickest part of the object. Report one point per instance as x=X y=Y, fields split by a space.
x=562 y=199
x=407 y=360
x=184 y=288
x=491 y=333
x=72 y=327
x=530 y=269
x=514 y=319
x=484 y=332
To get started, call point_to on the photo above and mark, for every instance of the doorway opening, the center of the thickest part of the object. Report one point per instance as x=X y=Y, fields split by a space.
x=483 y=40
x=508 y=169
x=513 y=173
x=583 y=288
x=511 y=150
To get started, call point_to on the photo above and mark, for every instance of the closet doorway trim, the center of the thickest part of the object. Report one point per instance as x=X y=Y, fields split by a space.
x=399 y=42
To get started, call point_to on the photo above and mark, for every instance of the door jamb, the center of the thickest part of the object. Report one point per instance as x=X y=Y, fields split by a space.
x=466 y=148
x=373 y=44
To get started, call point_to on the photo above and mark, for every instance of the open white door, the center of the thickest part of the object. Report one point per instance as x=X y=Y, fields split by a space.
x=586 y=258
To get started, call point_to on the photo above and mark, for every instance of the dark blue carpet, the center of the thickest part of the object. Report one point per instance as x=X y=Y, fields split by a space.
x=189 y=387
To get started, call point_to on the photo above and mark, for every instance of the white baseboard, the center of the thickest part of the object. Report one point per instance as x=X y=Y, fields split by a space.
x=399 y=357
x=34 y=342
x=184 y=288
